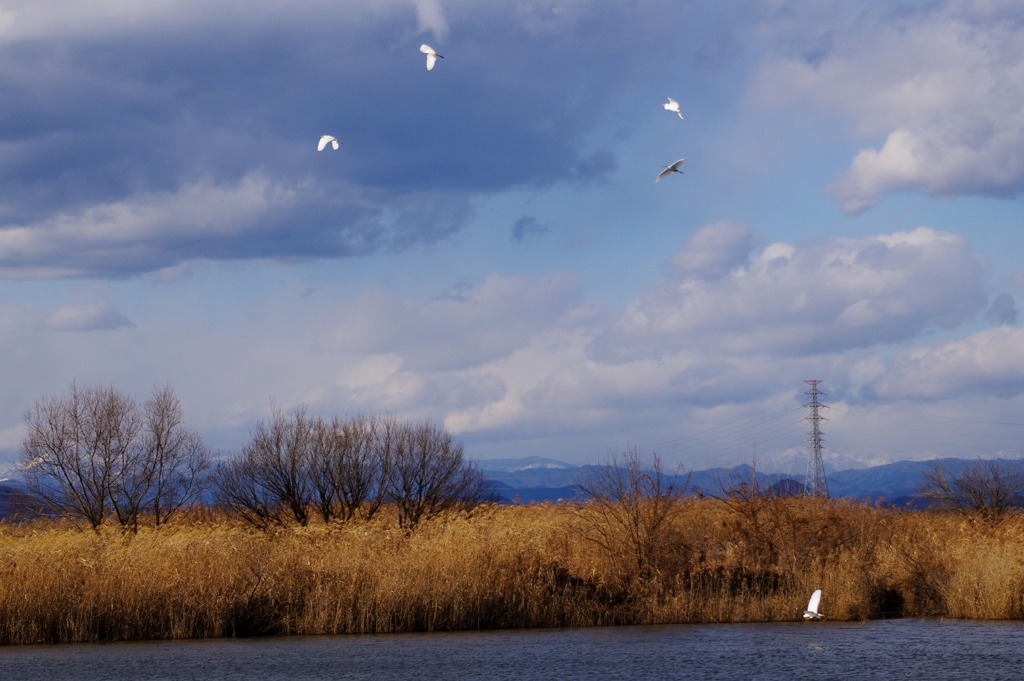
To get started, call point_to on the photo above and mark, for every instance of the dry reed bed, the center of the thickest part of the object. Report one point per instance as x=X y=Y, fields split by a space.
x=501 y=567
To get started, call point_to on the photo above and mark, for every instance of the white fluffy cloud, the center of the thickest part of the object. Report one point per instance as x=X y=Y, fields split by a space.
x=23 y=20
x=989 y=362
x=943 y=84
x=518 y=359
x=98 y=316
x=466 y=326
x=714 y=249
x=131 y=232
x=808 y=298
x=249 y=218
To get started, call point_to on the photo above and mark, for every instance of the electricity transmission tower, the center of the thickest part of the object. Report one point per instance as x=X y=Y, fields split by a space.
x=815 y=484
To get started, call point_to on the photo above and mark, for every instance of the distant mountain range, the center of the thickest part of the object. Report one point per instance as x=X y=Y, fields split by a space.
x=14 y=500
x=537 y=479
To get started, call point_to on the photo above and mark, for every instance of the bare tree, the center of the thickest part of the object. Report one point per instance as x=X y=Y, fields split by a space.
x=348 y=461
x=630 y=503
x=60 y=459
x=323 y=467
x=361 y=465
x=346 y=469
x=273 y=470
x=239 y=488
x=177 y=461
x=118 y=427
x=94 y=453
x=387 y=435
x=427 y=472
x=761 y=518
x=986 y=488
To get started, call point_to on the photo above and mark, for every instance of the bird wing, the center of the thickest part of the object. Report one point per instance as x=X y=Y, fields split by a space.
x=431 y=60
x=670 y=169
x=324 y=139
x=427 y=49
x=672 y=104
x=812 y=605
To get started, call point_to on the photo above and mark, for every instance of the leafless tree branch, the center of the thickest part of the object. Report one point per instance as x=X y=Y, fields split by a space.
x=630 y=501
x=986 y=488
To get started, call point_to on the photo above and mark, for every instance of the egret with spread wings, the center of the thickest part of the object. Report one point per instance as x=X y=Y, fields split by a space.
x=811 y=613
x=328 y=139
x=674 y=168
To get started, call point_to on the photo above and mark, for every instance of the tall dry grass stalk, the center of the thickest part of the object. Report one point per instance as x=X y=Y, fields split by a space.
x=501 y=567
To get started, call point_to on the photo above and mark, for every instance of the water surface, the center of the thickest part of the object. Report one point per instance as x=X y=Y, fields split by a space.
x=893 y=649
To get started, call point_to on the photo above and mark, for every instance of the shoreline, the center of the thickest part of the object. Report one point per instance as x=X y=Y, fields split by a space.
x=937 y=620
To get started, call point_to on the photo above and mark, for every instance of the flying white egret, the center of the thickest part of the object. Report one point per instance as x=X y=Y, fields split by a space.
x=674 y=168
x=811 y=613
x=325 y=140
x=432 y=55
x=673 y=106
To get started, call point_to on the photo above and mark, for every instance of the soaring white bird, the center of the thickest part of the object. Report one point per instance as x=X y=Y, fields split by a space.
x=811 y=613
x=673 y=106
x=432 y=55
x=325 y=140
x=674 y=168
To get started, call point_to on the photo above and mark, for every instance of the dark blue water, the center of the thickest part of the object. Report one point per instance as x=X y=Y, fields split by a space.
x=894 y=649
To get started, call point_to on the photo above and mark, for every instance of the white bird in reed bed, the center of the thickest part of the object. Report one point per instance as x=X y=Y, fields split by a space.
x=811 y=613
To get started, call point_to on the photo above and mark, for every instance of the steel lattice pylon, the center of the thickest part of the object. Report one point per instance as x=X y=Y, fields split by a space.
x=815 y=484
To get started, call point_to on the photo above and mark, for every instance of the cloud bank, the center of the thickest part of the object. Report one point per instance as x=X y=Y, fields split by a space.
x=729 y=325
x=519 y=364
x=941 y=83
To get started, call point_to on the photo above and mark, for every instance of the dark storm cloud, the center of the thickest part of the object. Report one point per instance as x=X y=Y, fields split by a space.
x=108 y=138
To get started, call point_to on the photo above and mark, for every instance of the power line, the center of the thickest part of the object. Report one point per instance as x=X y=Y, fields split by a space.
x=741 y=435
x=734 y=447
x=725 y=425
x=726 y=457
x=732 y=440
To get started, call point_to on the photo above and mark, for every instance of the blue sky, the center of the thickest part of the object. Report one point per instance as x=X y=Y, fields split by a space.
x=489 y=248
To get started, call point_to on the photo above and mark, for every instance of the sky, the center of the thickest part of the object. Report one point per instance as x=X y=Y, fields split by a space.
x=489 y=248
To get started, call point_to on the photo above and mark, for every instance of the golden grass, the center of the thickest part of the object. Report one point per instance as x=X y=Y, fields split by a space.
x=500 y=567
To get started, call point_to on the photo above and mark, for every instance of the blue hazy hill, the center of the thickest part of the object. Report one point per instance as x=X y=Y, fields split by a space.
x=895 y=482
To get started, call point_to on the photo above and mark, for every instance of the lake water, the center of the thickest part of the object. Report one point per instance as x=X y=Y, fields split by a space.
x=892 y=649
